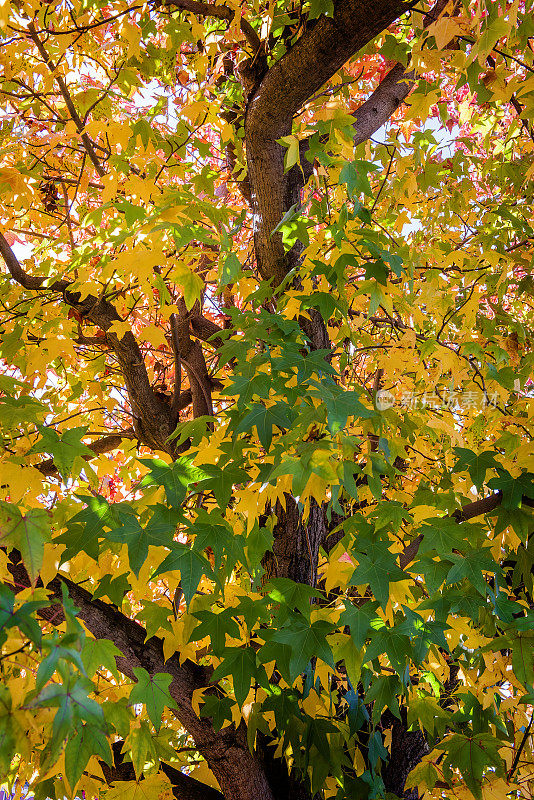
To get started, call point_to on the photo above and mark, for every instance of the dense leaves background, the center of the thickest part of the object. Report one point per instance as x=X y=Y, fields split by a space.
x=267 y=464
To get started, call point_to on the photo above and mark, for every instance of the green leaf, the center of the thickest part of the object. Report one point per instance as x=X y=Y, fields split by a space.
x=218 y=709
x=394 y=643
x=191 y=565
x=472 y=756
x=339 y=407
x=98 y=653
x=114 y=588
x=292 y=595
x=230 y=269
x=383 y=693
x=264 y=419
x=477 y=464
x=305 y=641
x=140 y=747
x=442 y=535
x=221 y=481
x=159 y=532
x=523 y=658
x=355 y=175
x=513 y=489
x=86 y=527
x=28 y=532
x=87 y=742
x=17 y=410
x=392 y=512
x=319 y=7
x=358 y=620
x=175 y=477
x=22 y=618
x=64 y=449
x=377 y=270
x=77 y=753
x=153 y=691
x=378 y=574
x=216 y=626
x=376 y=749
x=154 y=616
x=240 y=663
x=471 y=567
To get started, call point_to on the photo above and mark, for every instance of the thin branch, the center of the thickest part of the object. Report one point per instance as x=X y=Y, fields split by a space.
x=483 y=506
x=175 y=341
x=87 y=143
x=104 y=445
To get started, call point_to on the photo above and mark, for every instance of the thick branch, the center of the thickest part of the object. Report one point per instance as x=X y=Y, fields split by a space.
x=483 y=506
x=175 y=342
x=239 y=773
x=152 y=416
x=193 y=360
x=21 y=276
x=312 y=61
x=219 y=12
x=383 y=102
x=391 y=92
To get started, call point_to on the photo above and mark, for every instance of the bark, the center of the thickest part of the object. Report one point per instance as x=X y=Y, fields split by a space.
x=407 y=750
x=154 y=420
x=312 y=61
x=239 y=772
x=296 y=543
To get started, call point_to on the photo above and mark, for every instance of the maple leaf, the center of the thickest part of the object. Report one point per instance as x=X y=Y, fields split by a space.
x=153 y=691
x=64 y=448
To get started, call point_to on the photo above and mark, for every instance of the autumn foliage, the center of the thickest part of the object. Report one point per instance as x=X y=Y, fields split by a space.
x=266 y=388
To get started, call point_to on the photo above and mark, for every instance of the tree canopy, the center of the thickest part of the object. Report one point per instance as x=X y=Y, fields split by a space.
x=266 y=398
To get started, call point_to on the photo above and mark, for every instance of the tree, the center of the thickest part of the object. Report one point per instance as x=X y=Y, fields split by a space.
x=267 y=464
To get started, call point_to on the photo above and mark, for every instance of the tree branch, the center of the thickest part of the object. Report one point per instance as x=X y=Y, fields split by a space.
x=483 y=506
x=152 y=415
x=192 y=358
x=312 y=61
x=21 y=276
x=87 y=143
x=238 y=771
x=391 y=91
x=205 y=329
x=219 y=12
x=104 y=445
x=382 y=103
x=175 y=341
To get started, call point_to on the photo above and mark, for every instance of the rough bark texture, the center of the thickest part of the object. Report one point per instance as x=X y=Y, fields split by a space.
x=296 y=542
x=316 y=56
x=407 y=749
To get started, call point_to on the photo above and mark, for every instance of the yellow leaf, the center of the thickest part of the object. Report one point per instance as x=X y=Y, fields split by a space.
x=444 y=31
x=153 y=787
x=344 y=649
x=191 y=284
x=4 y=13
x=120 y=328
x=204 y=774
x=292 y=153
x=18 y=480
x=153 y=335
